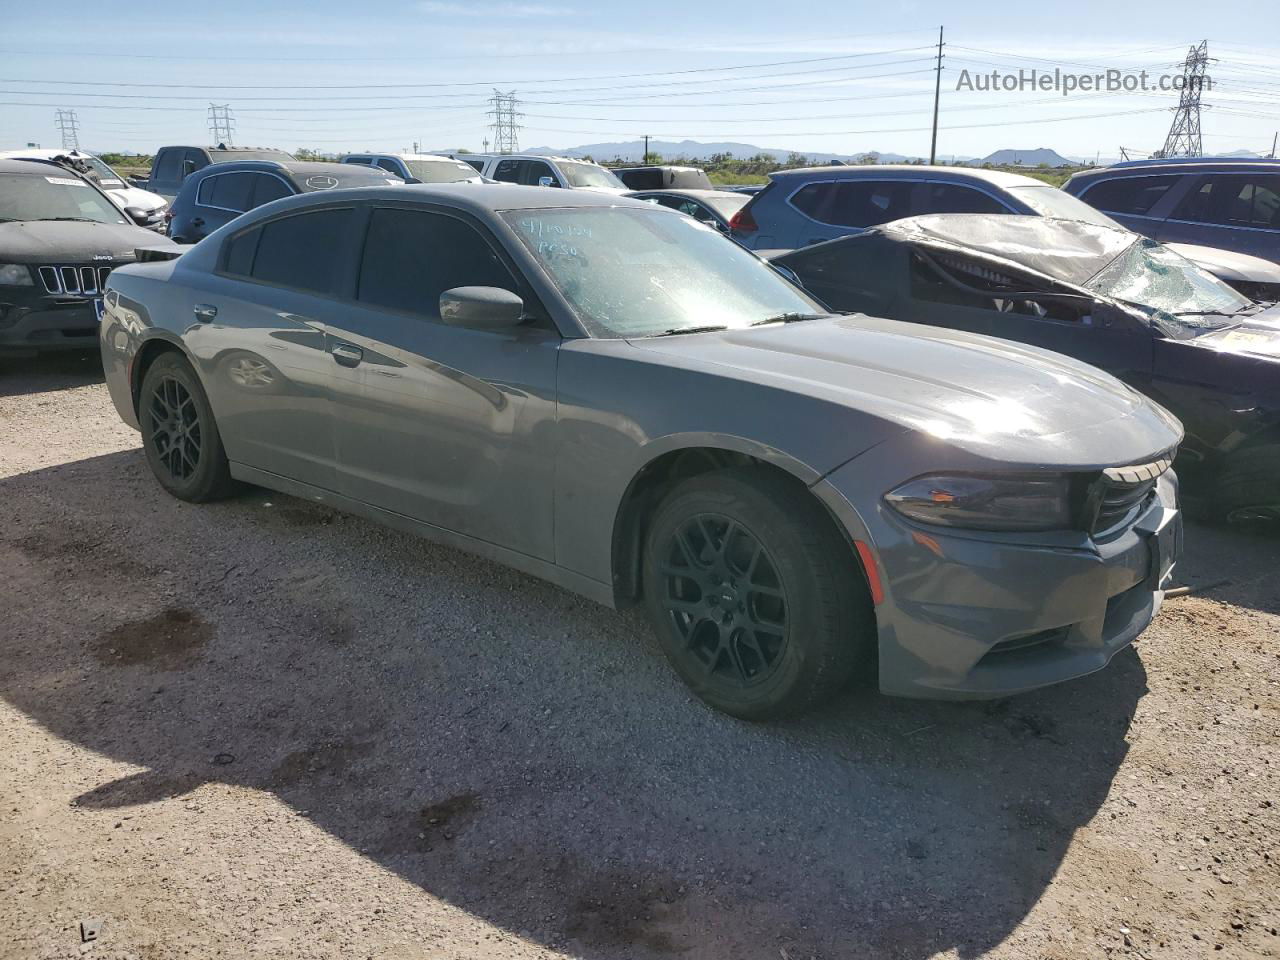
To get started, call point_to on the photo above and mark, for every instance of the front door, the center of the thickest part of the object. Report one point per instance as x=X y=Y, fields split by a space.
x=450 y=426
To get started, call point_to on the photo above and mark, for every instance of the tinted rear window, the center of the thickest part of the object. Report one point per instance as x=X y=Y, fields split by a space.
x=302 y=251
x=855 y=203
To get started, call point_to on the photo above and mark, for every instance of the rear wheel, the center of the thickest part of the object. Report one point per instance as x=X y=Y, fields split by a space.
x=179 y=435
x=756 y=600
x=1249 y=486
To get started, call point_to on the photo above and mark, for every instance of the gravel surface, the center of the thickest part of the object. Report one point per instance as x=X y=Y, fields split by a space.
x=260 y=729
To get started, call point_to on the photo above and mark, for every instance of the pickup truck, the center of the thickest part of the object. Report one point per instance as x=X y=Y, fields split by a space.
x=172 y=165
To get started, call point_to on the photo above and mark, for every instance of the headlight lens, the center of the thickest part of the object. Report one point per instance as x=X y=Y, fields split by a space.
x=15 y=275
x=986 y=503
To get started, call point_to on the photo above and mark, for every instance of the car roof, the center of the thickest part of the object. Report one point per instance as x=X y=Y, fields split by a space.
x=1069 y=250
x=692 y=192
x=298 y=168
x=33 y=165
x=478 y=198
x=404 y=156
x=1182 y=165
x=909 y=171
x=657 y=166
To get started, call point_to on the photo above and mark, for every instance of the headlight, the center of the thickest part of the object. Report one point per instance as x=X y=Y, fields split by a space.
x=986 y=503
x=15 y=275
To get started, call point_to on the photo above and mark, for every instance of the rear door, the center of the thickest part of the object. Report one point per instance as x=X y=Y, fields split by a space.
x=508 y=170
x=836 y=208
x=259 y=335
x=1235 y=211
x=450 y=426
x=220 y=198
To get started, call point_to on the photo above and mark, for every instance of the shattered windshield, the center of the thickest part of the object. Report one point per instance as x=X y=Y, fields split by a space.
x=642 y=272
x=1185 y=299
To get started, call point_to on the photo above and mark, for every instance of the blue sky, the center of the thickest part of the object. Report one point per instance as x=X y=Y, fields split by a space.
x=823 y=76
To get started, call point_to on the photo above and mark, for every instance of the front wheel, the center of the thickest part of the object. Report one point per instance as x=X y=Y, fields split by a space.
x=756 y=598
x=1249 y=486
x=179 y=435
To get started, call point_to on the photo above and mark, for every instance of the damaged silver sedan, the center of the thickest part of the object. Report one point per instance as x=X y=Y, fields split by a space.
x=621 y=400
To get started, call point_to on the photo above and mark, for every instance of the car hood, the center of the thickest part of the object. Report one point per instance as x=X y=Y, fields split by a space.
x=1257 y=336
x=1000 y=400
x=45 y=241
x=133 y=197
x=1228 y=264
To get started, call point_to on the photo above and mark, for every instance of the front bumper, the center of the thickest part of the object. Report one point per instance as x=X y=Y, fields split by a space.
x=981 y=615
x=47 y=323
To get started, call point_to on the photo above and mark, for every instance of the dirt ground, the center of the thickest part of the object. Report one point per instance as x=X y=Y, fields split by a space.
x=259 y=729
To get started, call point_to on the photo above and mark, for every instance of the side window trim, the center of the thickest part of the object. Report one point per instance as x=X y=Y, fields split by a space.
x=236 y=173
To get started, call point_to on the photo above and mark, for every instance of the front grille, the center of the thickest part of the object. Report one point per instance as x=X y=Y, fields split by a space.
x=86 y=281
x=1121 y=493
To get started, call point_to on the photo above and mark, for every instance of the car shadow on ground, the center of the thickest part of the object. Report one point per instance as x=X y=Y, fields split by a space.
x=1235 y=564
x=521 y=753
x=48 y=372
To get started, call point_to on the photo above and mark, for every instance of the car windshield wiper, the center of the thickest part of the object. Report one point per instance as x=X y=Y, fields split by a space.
x=790 y=318
x=675 y=331
x=71 y=219
x=1218 y=313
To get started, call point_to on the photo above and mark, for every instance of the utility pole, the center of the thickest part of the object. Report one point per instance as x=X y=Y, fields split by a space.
x=1184 y=134
x=937 y=94
x=646 y=148
x=69 y=127
x=222 y=125
x=505 y=129
x=1273 y=143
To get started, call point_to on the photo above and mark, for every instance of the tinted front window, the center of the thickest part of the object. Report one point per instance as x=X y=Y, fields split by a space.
x=953 y=198
x=865 y=203
x=535 y=170
x=56 y=195
x=412 y=256
x=638 y=271
x=168 y=166
x=1234 y=200
x=508 y=171
x=1132 y=195
x=301 y=251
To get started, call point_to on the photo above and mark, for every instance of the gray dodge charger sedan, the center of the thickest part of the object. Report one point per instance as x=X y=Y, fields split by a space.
x=620 y=400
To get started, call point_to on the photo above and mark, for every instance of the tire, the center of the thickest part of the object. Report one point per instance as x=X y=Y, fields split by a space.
x=756 y=598
x=179 y=435
x=1249 y=485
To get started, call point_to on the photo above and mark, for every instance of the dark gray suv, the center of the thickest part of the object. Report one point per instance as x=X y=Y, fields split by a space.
x=814 y=204
x=1215 y=201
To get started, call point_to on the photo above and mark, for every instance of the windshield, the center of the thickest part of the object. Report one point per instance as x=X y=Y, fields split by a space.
x=1152 y=276
x=588 y=175
x=441 y=171
x=636 y=272
x=1051 y=202
x=106 y=176
x=44 y=196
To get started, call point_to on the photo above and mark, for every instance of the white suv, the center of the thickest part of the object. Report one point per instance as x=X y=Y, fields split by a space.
x=418 y=167
x=535 y=171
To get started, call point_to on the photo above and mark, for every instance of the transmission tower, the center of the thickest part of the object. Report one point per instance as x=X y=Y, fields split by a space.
x=222 y=125
x=69 y=127
x=504 y=113
x=1184 y=135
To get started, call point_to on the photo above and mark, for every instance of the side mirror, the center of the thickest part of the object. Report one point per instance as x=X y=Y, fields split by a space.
x=484 y=308
x=143 y=218
x=546 y=181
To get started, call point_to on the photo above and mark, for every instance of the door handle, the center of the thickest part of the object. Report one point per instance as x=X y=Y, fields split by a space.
x=346 y=354
x=205 y=312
